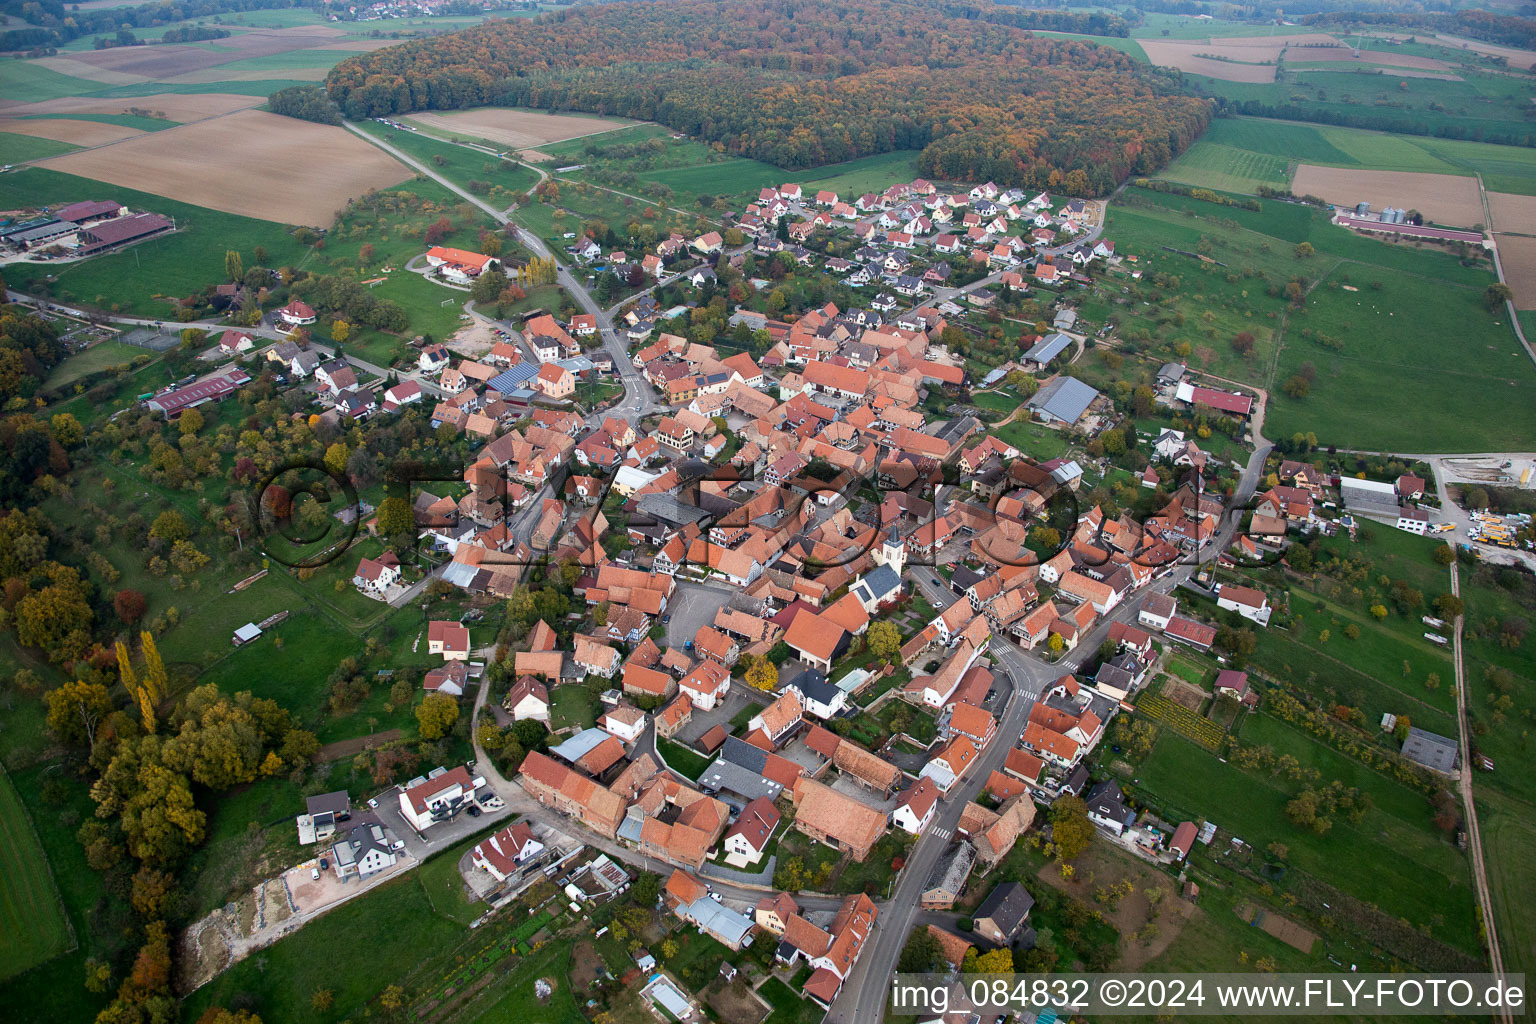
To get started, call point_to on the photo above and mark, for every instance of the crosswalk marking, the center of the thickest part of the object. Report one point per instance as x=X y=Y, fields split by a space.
x=942 y=833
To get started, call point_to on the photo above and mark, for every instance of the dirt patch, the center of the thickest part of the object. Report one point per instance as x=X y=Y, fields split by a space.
x=1183 y=694
x=473 y=340
x=1133 y=914
x=584 y=964
x=735 y=1001
x=1446 y=199
x=80 y=133
x=534 y=156
x=1282 y=928
x=517 y=129
x=349 y=748
x=245 y=163
x=1186 y=57
x=1513 y=213
x=190 y=106
x=1518 y=255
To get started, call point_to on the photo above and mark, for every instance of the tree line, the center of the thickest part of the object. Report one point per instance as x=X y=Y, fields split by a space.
x=52 y=23
x=801 y=84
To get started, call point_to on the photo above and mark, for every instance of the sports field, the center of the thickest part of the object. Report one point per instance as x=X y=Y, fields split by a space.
x=33 y=928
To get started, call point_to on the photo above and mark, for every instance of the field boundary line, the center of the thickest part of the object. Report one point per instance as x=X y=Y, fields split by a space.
x=58 y=895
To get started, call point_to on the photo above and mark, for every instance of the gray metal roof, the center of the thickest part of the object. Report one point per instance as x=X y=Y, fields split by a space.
x=1065 y=398
x=579 y=745
x=1433 y=751
x=1048 y=348
x=723 y=776
x=881 y=581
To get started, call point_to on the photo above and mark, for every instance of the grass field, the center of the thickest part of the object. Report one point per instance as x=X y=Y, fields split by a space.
x=1240 y=153
x=1389 y=334
x=1391 y=858
x=33 y=927
x=101 y=356
x=16 y=149
x=1386 y=326
x=1509 y=838
x=322 y=955
x=137 y=279
x=26 y=82
x=143 y=124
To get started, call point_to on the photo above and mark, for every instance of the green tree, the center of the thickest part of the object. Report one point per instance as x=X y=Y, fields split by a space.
x=189 y=423
x=436 y=715
x=336 y=458
x=1297 y=387
x=1304 y=250
x=922 y=953
x=67 y=430
x=169 y=527
x=1071 y=830
x=1444 y=554
x=396 y=517
x=884 y=639
x=762 y=675
x=1496 y=294
x=75 y=710
x=234 y=266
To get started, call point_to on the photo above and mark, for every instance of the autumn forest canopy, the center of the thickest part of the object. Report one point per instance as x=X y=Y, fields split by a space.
x=801 y=83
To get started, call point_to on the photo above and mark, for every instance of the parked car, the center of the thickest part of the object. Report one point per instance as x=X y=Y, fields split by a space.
x=473 y=810
x=314 y=873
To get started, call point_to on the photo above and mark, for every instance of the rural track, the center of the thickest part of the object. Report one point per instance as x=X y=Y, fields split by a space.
x=1469 y=804
x=1498 y=268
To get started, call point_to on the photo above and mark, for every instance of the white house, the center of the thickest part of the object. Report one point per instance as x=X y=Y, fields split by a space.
x=1157 y=611
x=425 y=802
x=817 y=696
x=361 y=852
x=747 y=839
x=626 y=722
x=506 y=851
x=432 y=359
x=234 y=342
x=404 y=393
x=296 y=314
x=1249 y=603
x=374 y=575
x=947 y=766
x=529 y=700
x=1413 y=520
x=916 y=809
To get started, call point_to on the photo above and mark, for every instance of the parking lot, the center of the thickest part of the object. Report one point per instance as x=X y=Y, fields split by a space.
x=444 y=833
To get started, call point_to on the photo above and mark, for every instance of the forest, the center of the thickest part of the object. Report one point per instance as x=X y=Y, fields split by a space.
x=799 y=84
x=52 y=25
x=1505 y=29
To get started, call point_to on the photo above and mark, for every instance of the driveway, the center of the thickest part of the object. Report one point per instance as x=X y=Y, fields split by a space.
x=439 y=836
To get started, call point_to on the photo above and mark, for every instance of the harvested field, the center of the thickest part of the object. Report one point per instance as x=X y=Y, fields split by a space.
x=1511 y=212
x=79 y=133
x=1443 y=198
x=1345 y=53
x=1517 y=58
x=1282 y=928
x=1518 y=255
x=251 y=163
x=534 y=156
x=206 y=76
x=517 y=129
x=90 y=71
x=1183 y=56
x=190 y=106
